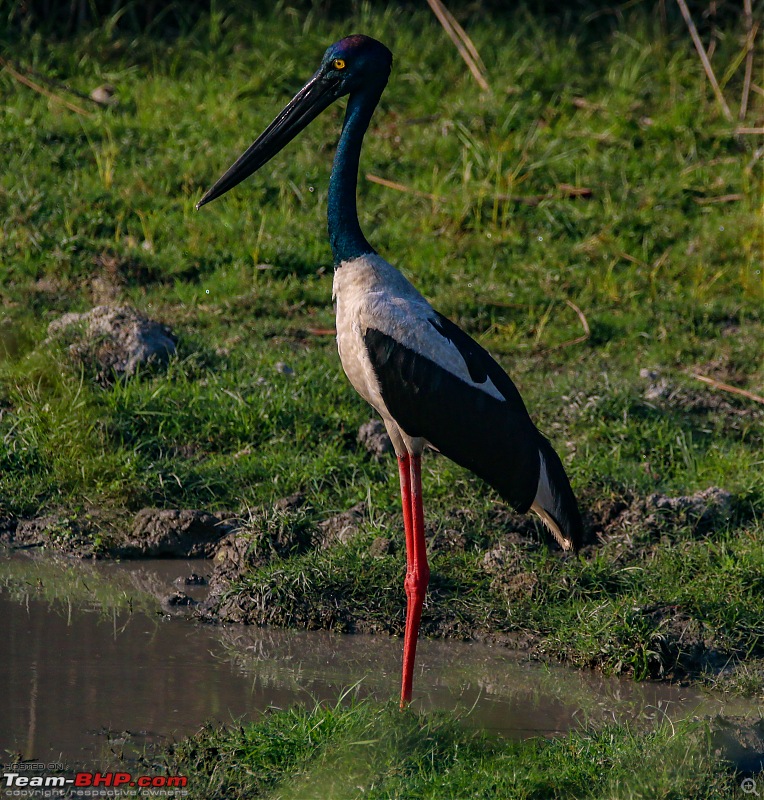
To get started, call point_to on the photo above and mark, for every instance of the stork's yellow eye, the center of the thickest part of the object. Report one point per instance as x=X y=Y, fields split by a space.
x=339 y=63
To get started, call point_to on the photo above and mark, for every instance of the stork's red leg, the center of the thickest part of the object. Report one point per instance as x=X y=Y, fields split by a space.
x=404 y=470
x=417 y=569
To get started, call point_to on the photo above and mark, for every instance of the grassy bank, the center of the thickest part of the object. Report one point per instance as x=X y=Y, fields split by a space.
x=378 y=752
x=671 y=601
x=661 y=254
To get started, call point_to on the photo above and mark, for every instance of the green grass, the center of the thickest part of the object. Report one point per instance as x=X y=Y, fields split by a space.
x=671 y=603
x=103 y=206
x=368 y=750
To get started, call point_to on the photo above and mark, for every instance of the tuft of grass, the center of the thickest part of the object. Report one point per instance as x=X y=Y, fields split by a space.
x=379 y=752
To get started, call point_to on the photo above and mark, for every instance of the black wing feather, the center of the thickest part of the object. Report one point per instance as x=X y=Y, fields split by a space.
x=480 y=363
x=493 y=438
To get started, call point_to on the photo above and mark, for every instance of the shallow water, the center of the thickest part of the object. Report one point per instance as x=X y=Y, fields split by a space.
x=89 y=665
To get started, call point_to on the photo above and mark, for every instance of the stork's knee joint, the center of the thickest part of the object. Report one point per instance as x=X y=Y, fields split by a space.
x=416 y=582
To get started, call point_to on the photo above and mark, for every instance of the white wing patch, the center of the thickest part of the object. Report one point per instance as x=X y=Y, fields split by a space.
x=545 y=505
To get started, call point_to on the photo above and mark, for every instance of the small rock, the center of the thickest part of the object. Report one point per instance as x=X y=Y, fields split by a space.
x=104 y=95
x=117 y=340
x=284 y=369
x=373 y=436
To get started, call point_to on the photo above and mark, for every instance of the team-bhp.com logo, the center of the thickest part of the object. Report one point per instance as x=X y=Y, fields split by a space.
x=99 y=781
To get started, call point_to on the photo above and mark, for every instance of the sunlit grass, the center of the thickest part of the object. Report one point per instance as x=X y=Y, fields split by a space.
x=376 y=751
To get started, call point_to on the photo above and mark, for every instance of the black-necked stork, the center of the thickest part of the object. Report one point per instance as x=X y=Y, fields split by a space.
x=431 y=383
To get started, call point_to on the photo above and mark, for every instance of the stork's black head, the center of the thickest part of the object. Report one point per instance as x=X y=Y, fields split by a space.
x=353 y=64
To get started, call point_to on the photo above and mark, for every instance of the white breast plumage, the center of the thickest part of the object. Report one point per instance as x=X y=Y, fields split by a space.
x=370 y=293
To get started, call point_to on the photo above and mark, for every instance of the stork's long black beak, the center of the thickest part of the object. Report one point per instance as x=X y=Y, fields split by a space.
x=317 y=94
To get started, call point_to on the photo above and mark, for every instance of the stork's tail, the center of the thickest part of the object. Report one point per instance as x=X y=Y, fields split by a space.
x=555 y=502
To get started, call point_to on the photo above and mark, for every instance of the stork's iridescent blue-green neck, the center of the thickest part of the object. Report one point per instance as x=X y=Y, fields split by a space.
x=358 y=66
x=345 y=235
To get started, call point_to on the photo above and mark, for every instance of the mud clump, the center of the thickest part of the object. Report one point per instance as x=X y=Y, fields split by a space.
x=192 y=580
x=156 y=533
x=521 y=586
x=506 y=565
x=740 y=742
x=286 y=530
x=664 y=392
x=163 y=533
x=659 y=514
x=280 y=532
x=502 y=559
x=66 y=534
x=340 y=528
x=447 y=540
x=658 y=386
x=8 y=527
x=680 y=645
x=702 y=510
x=113 y=341
x=373 y=436
x=294 y=502
x=178 y=603
x=382 y=546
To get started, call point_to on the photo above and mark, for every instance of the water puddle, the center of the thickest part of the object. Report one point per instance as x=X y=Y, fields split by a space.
x=89 y=665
